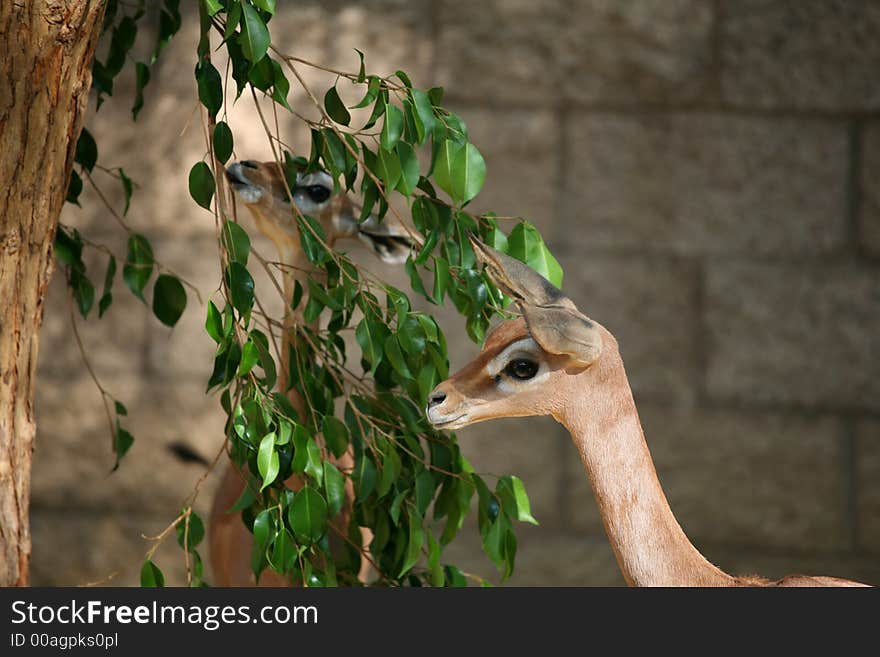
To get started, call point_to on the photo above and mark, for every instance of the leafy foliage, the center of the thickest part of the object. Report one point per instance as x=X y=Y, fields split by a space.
x=412 y=485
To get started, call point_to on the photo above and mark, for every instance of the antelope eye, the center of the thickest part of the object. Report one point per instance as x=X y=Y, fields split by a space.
x=318 y=193
x=521 y=368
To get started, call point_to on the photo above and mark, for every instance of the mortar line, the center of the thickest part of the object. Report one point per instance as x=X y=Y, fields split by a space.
x=853 y=190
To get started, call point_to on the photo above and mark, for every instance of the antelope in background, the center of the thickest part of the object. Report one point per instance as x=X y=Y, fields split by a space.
x=261 y=187
x=555 y=361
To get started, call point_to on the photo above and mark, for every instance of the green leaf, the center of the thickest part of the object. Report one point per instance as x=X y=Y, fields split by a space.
x=121 y=444
x=468 y=173
x=68 y=248
x=526 y=244
x=414 y=542
x=193 y=534
x=388 y=168
x=241 y=286
x=210 y=86
x=443 y=166
x=409 y=167
x=308 y=515
x=312 y=239
x=249 y=357
x=404 y=78
x=138 y=265
x=335 y=435
x=427 y=380
x=212 y=6
x=86 y=150
x=285 y=431
x=334 y=152
x=364 y=476
x=83 y=292
x=201 y=184
x=370 y=335
x=107 y=294
x=297 y=295
x=334 y=486
x=151 y=576
x=307 y=454
x=223 y=141
x=263 y=525
x=236 y=242
x=280 y=85
x=361 y=73
x=335 y=107
x=268 y=365
x=391 y=467
x=392 y=129
x=441 y=279
x=127 y=189
x=395 y=356
x=266 y=5
x=514 y=499
x=119 y=407
x=214 y=323
x=284 y=551
x=415 y=280
x=142 y=79
x=371 y=94
x=254 y=39
x=169 y=299
x=267 y=460
x=74 y=188
x=424 y=491
x=233 y=18
x=425 y=112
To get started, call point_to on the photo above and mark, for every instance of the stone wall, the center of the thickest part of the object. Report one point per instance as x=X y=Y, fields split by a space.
x=707 y=173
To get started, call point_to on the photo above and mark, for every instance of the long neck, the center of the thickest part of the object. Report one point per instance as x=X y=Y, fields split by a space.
x=649 y=544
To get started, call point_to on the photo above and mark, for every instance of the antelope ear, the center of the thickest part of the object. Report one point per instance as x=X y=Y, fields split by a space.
x=564 y=331
x=516 y=279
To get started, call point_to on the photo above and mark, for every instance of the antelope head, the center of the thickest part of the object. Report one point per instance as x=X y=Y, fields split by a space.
x=528 y=365
x=261 y=187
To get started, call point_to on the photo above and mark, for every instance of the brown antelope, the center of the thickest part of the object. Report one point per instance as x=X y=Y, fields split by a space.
x=261 y=187
x=555 y=361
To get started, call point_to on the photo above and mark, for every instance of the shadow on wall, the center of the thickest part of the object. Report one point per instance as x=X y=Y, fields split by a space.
x=705 y=172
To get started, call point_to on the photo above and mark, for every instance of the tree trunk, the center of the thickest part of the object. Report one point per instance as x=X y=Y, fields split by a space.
x=47 y=51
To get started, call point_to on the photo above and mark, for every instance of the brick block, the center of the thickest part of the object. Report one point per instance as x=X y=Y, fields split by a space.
x=98 y=548
x=73 y=457
x=804 y=54
x=589 y=51
x=648 y=303
x=868 y=484
x=794 y=334
x=705 y=184
x=543 y=558
x=762 y=480
x=114 y=343
x=869 y=211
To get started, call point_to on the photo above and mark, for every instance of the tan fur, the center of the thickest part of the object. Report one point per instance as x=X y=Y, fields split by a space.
x=593 y=400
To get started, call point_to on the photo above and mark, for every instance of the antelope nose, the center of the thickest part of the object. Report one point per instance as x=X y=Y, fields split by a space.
x=436 y=398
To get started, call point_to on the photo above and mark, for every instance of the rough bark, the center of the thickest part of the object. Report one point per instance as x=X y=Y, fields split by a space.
x=47 y=50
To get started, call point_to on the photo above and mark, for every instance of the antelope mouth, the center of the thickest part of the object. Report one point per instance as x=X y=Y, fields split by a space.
x=240 y=184
x=447 y=422
x=235 y=175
